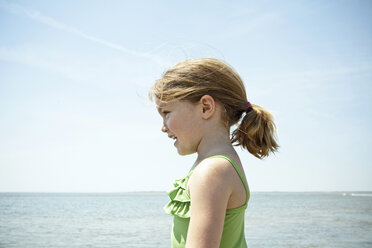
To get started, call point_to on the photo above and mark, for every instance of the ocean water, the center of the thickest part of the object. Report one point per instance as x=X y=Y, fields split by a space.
x=332 y=219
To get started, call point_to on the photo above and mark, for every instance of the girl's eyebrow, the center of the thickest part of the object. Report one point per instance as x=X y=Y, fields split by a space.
x=159 y=110
x=160 y=107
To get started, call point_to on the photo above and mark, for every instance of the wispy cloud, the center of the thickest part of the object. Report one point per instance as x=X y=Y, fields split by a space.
x=37 y=16
x=105 y=73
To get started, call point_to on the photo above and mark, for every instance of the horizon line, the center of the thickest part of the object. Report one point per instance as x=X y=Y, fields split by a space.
x=162 y=191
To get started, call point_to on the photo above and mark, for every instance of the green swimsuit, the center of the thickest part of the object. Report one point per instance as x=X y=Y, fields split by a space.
x=179 y=207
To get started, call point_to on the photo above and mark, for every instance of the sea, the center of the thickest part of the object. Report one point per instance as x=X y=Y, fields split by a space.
x=273 y=219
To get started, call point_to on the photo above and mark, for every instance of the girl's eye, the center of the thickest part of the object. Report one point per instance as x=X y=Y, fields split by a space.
x=165 y=113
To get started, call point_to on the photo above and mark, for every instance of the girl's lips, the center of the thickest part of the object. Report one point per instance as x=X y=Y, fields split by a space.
x=173 y=138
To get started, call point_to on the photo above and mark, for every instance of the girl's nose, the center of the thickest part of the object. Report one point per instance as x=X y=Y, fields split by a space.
x=164 y=128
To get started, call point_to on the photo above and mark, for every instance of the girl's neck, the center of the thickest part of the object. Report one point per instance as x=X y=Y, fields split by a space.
x=217 y=143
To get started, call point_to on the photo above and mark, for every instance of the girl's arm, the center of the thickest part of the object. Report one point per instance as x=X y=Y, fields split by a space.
x=210 y=189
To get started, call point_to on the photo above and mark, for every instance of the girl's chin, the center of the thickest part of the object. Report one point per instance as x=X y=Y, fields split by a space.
x=183 y=152
x=180 y=152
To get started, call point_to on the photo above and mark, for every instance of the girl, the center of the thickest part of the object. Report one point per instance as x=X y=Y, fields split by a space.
x=199 y=100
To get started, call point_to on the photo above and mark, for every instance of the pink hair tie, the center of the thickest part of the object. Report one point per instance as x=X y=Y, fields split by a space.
x=248 y=106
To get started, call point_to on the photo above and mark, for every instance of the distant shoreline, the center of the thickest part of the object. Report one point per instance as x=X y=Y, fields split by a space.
x=162 y=192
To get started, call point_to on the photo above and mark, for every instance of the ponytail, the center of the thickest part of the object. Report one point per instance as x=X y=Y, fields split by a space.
x=256 y=132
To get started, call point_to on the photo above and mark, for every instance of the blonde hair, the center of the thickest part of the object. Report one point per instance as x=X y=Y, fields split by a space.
x=191 y=79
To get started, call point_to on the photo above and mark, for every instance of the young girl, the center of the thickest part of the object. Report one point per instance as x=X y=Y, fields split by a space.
x=199 y=100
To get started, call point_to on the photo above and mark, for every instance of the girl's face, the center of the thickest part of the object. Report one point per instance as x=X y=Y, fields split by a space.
x=181 y=120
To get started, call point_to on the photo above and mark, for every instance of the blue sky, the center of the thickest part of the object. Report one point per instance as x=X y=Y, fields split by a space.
x=74 y=77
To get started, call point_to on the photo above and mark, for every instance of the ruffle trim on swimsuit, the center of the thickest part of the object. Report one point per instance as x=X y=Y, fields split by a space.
x=179 y=204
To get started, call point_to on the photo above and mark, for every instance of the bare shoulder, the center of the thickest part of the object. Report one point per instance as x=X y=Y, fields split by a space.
x=214 y=172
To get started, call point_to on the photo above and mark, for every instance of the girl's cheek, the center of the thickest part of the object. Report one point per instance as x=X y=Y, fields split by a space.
x=170 y=124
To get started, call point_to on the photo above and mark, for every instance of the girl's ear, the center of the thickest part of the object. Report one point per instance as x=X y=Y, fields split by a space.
x=208 y=106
